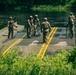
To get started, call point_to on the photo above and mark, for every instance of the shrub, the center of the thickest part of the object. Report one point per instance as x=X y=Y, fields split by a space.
x=16 y=62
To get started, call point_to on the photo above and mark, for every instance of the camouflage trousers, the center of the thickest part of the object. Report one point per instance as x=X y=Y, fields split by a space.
x=45 y=37
x=71 y=28
x=29 y=32
x=10 y=32
x=35 y=31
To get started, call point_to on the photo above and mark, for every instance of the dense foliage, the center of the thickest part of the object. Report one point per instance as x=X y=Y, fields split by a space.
x=29 y=3
x=16 y=62
x=37 y=2
x=72 y=57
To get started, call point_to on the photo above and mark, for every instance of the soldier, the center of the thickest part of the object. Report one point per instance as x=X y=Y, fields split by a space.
x=10 y=27
x=29 y=26
x=36 y=25
x=71 y=19
x=45 y=27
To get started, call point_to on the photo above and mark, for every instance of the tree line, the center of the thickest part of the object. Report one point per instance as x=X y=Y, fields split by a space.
x=31 y=3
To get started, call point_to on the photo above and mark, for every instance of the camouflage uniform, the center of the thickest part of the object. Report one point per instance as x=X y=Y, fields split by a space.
x=29 y=26
x=71 y=23
x=36 y=25
x=10 y=27
x=45 y=27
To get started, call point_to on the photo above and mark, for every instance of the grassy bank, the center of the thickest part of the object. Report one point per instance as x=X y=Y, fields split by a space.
x=53 y=8
x=16 y=62
x=49 y=8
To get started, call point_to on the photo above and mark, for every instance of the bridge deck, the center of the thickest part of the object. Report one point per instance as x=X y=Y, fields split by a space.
x=60 y=40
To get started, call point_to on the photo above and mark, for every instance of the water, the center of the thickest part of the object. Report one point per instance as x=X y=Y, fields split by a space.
x=55 y=18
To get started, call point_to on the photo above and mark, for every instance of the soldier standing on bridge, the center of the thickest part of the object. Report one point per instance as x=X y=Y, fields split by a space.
x=71 y=19
x=11 y=27
x=36 y=25
x=45 y=28
x=29 y=26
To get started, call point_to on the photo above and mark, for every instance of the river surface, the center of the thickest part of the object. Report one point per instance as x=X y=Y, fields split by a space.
x=56 y=18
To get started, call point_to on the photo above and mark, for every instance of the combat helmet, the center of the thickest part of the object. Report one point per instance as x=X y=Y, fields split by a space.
x=71 y=13
x=36 y=15
x=45 y=19
x=10 y=17
x=31 y=16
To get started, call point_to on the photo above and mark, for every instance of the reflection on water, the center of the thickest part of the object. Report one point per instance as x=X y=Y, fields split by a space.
x=55 y=18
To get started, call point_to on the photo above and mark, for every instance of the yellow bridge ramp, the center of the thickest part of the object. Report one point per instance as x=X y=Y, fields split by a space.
x=45 y=46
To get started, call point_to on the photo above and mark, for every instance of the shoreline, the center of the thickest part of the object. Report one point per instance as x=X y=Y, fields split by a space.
x=49 y=8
